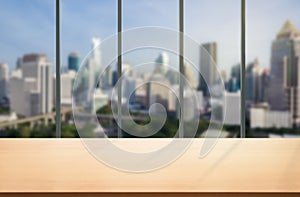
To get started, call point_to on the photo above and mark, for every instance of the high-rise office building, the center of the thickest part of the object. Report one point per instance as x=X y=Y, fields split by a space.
x=162 y=63
x=114 y=77
x=73 y=61
x=284 y=87
x=234 y=83
x=253 y=82
x=96 y=54
x=94 y=66
x=4 y=70
x=208 y=66
x=31 y=88
x=265 y=80
x=19 y=63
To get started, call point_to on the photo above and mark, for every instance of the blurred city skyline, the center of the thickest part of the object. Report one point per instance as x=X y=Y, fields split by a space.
x=271 y=62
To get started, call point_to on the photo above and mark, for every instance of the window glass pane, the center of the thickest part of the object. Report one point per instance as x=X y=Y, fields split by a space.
x=272 y=72
x=141 y=13
x=215 y=25
x=150 y=67
x=27 y=66
x=86 y=25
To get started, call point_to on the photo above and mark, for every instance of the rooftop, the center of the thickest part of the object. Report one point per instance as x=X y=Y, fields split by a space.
x=289 y=30
x=33 y=57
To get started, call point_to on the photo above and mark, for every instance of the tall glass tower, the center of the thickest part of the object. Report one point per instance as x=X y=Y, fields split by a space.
x=73 y=61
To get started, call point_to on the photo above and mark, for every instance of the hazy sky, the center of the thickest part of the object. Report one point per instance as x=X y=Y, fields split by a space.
x=26 y=26
x=29 y=25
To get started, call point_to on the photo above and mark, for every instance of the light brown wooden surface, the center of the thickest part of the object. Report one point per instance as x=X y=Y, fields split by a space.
x=234 y=165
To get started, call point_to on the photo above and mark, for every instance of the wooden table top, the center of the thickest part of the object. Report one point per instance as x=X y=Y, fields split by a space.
x=234 y=165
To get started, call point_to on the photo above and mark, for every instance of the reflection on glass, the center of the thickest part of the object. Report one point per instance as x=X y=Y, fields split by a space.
x=272 y=72
x=26 y=69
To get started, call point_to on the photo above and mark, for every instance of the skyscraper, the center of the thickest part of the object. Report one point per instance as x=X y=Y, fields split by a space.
x=265 y=81
x=3 y=80
x=253 y=82
x=284 y=87
x=162 y=62
x=208 y=63
x=73 y=61
x=234 y=83
x=94 y=66
x=31 y=89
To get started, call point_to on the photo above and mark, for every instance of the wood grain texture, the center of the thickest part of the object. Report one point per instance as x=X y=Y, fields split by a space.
x=234 y=165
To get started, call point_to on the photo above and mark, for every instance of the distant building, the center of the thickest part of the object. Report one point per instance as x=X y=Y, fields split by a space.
x=200 y=101
x=188 y=73
x=234 y=83
x=67 y=81
x=284 y=92
x=190 y=76
x=173 y=76
x=232 y=108
x=253 y=82
x=173 y=101
x=73 y=61
x=8 y=117
x=109 y=73
x=192 y=103
x=94 y=67
x=106 y=77
x=254 y=85
x=128 y=89
x=114 y=77
x=100 y=99
x=208 y=66
x=161 y=63
x=263 y=117
x=31 y=91
x=19 y=63
x=4 y=71
x=158 y=92
x=126 y=68
x=265 y=87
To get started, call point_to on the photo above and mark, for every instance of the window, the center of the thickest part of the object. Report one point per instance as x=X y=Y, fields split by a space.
x=80 y=34
x=26 y=69
x=216 y=26
x=272 y=73
x=121 y=92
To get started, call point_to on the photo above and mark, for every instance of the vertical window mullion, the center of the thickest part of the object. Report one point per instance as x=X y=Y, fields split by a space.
x=57 y=84
x=181 y=67
x=119 y=67
x=243 y=64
